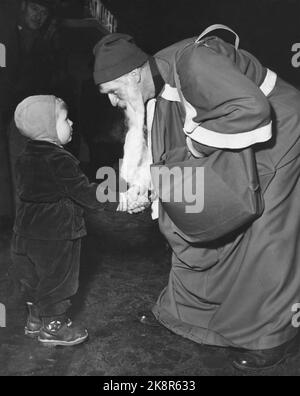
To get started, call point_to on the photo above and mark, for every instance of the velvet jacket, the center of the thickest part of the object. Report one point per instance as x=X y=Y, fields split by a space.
x=54 y=194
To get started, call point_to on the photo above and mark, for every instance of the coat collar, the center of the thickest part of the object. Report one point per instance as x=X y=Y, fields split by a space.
x=157 y=77
x=39 y=145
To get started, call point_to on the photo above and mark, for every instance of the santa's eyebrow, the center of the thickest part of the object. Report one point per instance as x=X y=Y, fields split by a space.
x=107 y=91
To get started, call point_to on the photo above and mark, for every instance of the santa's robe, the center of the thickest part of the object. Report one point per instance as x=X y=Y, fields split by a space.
x=241 y=292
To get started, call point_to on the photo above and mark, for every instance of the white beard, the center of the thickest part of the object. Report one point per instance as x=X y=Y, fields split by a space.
x=135 y=169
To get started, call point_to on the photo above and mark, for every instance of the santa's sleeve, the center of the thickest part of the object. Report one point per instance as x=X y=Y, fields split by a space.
x=224 y=108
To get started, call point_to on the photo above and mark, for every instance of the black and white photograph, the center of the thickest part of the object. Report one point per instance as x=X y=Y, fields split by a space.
x=149 y=191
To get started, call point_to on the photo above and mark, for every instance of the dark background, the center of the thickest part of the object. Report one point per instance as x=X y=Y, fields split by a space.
x=125 y=262
x=267 y=28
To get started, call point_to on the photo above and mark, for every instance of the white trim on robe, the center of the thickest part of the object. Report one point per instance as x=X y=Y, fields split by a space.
x=231 y=141
x=220 y=140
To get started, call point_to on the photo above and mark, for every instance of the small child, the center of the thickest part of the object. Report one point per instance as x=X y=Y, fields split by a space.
x=49 y=223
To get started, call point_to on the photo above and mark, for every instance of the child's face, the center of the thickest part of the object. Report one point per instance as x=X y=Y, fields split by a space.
x=64 y=127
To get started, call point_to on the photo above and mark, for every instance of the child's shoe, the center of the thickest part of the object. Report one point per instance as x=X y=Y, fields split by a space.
x=34 y=322
x=62 y=333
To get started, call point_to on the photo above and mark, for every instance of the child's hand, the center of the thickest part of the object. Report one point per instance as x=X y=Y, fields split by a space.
x=127 y=198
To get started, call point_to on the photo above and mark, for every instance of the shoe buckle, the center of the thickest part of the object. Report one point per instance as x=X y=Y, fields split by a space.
x=54 y=326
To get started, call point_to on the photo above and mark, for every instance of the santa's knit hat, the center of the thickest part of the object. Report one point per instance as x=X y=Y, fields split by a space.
x=116 y=55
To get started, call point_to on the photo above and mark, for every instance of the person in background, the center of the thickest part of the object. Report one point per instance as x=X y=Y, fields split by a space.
x=40 y=49
x=35 y=61
x=30 y=33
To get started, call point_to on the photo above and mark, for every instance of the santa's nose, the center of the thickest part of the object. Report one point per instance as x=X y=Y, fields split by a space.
x=114 y=100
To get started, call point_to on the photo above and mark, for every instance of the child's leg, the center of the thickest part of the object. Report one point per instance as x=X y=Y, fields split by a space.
x=23 y=269
x=57 y=264
x=26 y=279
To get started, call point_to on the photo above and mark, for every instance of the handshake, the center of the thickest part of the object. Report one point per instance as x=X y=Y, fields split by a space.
x=134 y=200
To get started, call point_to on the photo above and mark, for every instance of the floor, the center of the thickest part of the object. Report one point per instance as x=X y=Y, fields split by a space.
x=125 y=265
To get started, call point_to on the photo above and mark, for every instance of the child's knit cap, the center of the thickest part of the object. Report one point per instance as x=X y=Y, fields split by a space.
x=35 y=118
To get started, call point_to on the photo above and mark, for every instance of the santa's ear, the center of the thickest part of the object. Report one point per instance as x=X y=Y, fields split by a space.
x=136 y=75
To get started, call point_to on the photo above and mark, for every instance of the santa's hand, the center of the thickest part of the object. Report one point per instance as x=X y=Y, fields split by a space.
x=133 y=193
x=132 y=201
x=128 y=200
x=138 y=206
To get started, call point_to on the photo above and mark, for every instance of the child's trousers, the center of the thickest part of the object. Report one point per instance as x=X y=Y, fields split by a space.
x=48 y=272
